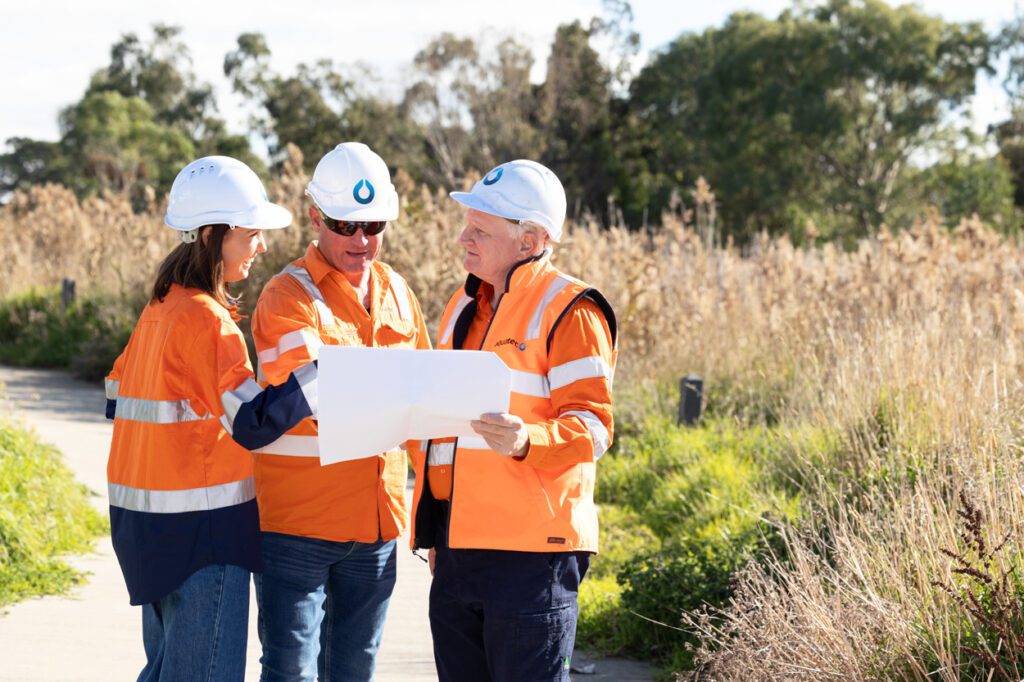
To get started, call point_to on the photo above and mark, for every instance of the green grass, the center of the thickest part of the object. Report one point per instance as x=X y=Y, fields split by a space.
x=682 y=510
x=44 y=514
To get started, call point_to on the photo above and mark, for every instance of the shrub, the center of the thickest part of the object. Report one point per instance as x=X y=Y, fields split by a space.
x=36 y=330
x=44 y=513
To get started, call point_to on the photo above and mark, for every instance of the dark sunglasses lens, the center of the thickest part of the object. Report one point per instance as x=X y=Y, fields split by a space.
x=347 y=229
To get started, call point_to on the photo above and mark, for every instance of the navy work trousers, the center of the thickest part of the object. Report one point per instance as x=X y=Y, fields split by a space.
x=504 y=616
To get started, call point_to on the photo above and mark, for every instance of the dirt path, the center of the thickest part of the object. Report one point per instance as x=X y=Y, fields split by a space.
x=94 y=635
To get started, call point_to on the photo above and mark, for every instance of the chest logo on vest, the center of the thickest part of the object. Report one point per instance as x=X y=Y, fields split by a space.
x=510 y=342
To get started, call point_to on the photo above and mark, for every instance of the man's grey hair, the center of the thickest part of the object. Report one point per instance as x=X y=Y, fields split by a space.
x=521 y=227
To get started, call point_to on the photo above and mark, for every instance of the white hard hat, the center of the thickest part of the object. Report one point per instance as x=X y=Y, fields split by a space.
x=351 y=182
x=520 y=190
x=220 y=189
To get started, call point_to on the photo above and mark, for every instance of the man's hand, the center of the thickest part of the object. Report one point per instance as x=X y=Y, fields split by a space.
x=505 y=433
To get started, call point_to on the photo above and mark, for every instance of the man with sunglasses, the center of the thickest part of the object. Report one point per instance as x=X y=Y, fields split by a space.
x=329 y=532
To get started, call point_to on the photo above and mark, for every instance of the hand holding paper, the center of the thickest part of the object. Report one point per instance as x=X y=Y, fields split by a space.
x=505 y=433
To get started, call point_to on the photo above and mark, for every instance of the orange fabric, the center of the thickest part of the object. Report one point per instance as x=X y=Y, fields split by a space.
x=348 y=501
x=558 y=442
x=186 y=348
x=543 y=502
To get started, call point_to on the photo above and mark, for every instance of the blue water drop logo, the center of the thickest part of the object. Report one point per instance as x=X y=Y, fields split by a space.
x=494 y=176
x=522 y=346
x=358 y=189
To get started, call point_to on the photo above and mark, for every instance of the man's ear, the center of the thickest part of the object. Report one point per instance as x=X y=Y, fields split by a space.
x=529 y=243
x=314 y=218
x=204 y=234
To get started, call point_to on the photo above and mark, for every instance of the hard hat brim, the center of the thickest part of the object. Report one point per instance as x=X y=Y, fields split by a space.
x=263 y=216
x=470 y=200
x=475 y=201
x=270 y=216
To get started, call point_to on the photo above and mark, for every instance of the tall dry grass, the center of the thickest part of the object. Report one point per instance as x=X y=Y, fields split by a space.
x=906 y=351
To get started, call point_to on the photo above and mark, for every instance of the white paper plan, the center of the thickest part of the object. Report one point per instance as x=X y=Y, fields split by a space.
x=375 y=399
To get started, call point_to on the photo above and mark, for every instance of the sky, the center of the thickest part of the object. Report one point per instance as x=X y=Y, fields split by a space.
x=50 y=48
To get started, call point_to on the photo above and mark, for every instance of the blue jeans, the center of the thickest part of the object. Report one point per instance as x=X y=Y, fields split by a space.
x=322 y=606
x=198 y=631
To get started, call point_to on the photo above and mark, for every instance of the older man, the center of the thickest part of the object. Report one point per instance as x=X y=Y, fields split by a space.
x=329 y=532
x=509 y=515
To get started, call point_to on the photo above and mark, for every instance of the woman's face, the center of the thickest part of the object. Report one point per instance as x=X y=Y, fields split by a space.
x=239 y=250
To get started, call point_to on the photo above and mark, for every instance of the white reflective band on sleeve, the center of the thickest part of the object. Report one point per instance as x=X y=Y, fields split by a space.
x=459 y=307
x=598 y=433
x=401 y=291
x=112 y=387
x=584 y=368
x=441 y=454
x=260 y=376
x=423 y=445
x=533 y=330
x=157 y=411
x=233 y=401
x=473 y=443
x=292 y=446
x=307 y=378
x=530 y=384
x=291 y=341
x=302 y=276
x=179 y=501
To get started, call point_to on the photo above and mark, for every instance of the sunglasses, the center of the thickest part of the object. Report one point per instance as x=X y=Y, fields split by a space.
x=347 y=228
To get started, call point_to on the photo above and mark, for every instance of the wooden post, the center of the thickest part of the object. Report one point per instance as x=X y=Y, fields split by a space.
x=67 y=292
x=691 y=391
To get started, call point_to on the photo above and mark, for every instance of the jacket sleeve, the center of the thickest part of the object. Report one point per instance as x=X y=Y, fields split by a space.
x=252 y=415
x=284 y=328
x=582 y=361
x=112 y=384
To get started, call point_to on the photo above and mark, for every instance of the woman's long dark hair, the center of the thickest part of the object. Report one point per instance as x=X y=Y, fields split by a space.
x=196 y=265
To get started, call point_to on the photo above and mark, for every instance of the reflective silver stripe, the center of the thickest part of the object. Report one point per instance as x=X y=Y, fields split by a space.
x=533 y=330
x=260 y=376
x=441 y=454
x=292 y=446
x=530 y=384
x=459 y=307
x=473 y=443
x=291 y=341
x=112 y=387
x=583 y=368
x=303 y=277
x=598 y=433
x=157 y=411
x=307 y=378
x=178 y=501
x=233 y=401
x=401 y=291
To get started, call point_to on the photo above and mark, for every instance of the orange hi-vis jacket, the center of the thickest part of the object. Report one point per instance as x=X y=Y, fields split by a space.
x=558 y=336
x=310 y=304
x=185 y=408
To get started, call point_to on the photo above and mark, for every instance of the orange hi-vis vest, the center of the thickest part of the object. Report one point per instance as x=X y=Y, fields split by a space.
x=308 y=305
x=496 y=501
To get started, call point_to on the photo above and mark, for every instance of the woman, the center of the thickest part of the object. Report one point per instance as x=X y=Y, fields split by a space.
x=186 y=411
